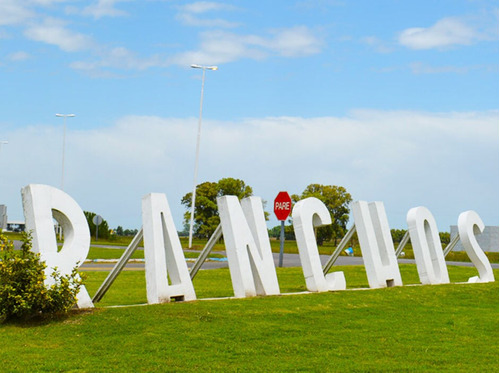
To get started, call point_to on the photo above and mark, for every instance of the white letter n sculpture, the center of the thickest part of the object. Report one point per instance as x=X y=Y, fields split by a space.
x=247 y=247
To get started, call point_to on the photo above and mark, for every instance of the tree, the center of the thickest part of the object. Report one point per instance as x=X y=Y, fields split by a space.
x=206 y=213
x=337 y=202
x=103 y=227
x=397 y=234
x=444 y=237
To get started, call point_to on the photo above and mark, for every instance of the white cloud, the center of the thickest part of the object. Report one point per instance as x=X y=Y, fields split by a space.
x=48 y=2
x=221 y=47
x=379 y=45
x=444 y=33
x=447 y=162
x=19 y=56
x=293 y=42
x=422 y=68
x=117 y=58
x=14 y=12
x=104 y=8
x=190 y=20
x=53 y=31
x=204 y=6
x=190 y=14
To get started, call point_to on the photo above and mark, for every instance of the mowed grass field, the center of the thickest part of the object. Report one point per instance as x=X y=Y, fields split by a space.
x=411 y=328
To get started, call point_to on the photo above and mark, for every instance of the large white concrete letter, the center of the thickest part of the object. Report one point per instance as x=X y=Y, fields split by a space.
x=470 y=224
x=162 y=252
x=376 y=244
x=248 y=248
x=426 y=245
x=42 y=204
x=306 y=215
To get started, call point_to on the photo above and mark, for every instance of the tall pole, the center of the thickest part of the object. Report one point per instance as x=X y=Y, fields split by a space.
x=63 y=151
x=198 y=138
x=64 y=145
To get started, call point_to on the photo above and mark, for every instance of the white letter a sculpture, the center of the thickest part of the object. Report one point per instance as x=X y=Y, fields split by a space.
x=162 y=251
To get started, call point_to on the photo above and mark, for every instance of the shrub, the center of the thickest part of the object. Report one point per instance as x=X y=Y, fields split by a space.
x=23 y=292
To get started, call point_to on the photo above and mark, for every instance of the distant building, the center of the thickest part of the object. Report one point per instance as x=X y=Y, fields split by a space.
x=488 y=240
x=3 y=217
x=16 y=226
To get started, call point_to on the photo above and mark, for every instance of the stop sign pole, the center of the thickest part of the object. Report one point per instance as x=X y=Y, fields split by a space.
x=282 y=208
x=97 y=220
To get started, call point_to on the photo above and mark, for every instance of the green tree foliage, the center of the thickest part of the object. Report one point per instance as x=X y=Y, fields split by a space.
x=119 y=231
x=276 y=232
x=206 y=213
x=23 y=293
x=337 y=202
x=444 y=237
x=103 y=227
x=397 y=234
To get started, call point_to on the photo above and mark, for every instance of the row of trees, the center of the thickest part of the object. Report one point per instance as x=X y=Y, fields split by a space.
x=104 y=231
x=206 y=215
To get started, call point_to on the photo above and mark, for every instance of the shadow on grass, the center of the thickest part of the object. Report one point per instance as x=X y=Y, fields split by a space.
x=46 y=319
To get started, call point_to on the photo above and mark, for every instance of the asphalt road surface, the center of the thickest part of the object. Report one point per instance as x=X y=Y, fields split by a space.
x=289 y=260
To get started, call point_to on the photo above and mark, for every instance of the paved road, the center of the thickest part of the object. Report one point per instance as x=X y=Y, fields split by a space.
x=289 y=260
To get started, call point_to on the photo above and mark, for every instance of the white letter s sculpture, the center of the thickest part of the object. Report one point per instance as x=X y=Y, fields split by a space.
x=469 y=224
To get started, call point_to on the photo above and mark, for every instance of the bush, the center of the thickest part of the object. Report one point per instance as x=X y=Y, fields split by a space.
x=23 y=292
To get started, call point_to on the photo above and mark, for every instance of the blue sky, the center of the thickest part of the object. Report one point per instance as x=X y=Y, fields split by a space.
x=395 y=100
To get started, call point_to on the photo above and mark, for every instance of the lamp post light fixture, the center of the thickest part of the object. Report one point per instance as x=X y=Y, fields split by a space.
x=64 y=145
x=191 y=223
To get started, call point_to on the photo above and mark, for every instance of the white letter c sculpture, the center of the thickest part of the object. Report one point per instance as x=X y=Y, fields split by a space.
x=307 y=214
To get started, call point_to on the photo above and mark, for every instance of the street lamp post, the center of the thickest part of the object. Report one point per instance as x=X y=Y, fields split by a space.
x=64 y=145
x=191 y=223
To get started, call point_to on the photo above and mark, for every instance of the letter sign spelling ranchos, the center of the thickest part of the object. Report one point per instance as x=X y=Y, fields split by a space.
x=248 y=247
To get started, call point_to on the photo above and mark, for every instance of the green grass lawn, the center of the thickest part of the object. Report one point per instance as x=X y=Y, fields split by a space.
x=106 y=253
x=411 y=328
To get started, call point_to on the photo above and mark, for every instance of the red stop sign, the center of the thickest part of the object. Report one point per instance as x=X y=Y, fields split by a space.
x=282 y=205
